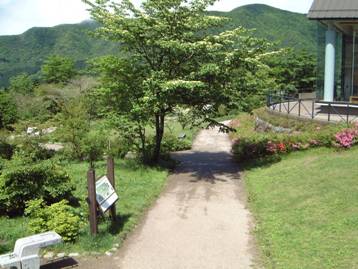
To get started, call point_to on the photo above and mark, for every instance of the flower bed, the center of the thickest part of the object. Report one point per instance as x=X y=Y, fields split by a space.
x=250 y=144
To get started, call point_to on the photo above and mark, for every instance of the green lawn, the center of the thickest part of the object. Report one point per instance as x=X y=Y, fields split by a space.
x=137 y=186
x=306 y=208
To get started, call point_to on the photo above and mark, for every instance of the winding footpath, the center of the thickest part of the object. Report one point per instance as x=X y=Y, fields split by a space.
x=199 y=222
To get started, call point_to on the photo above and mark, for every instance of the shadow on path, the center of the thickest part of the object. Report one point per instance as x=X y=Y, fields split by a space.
x=61 y=263
x=207 y=166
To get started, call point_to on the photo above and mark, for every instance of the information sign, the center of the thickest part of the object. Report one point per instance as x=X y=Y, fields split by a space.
x=106 y=196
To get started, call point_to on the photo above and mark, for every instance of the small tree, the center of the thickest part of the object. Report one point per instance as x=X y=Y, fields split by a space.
x=22 y=84
x=8 y=110
x=58 y=69
x=171 y=59
x=75 y=125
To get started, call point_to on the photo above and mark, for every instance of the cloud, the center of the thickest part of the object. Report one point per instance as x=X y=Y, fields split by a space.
x=16 y=16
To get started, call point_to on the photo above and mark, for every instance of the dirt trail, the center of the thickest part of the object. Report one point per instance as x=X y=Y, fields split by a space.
x=199 y=222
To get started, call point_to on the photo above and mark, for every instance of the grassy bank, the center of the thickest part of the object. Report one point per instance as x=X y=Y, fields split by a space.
x=306 y=207
x=137 y=187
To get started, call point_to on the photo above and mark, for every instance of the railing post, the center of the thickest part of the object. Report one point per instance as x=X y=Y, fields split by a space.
x=91 y=181
x=288 y=105
x=299 y=107
x=280 y=108
x=348 y=107
x=313 y=102
x=329 y=112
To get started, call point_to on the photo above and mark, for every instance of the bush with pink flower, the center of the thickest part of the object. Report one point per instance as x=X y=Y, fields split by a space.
x=252 y=144
x=347 y=138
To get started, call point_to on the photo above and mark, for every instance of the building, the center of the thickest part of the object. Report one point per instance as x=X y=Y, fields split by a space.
x=337 y=49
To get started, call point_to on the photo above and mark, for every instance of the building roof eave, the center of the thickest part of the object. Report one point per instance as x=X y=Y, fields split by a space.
x=333 y=9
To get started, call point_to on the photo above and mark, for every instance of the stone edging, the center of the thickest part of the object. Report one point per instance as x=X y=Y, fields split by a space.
x=49 y=255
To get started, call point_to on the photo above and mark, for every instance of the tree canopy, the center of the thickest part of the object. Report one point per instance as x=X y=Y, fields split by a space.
x=8 y=111
x=294 y=70
x=22 y=84
x=58 y=69
x=171 y=60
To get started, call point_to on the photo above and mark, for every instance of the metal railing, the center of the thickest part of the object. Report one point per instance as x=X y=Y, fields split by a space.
x=312 y=108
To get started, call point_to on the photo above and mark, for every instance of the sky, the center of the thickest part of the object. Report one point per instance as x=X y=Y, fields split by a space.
x=17 y=16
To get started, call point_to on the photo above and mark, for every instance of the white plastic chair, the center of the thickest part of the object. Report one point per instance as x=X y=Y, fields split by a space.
x=26 y=251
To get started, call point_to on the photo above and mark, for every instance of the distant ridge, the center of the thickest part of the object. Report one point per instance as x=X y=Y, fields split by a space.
x=26 y=52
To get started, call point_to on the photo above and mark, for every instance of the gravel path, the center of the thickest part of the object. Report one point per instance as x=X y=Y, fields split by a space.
x=200 y=221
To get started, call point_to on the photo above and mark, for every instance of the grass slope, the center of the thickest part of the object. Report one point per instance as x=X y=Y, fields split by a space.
x=306 y=207
x=26 y=52
x=137 y=187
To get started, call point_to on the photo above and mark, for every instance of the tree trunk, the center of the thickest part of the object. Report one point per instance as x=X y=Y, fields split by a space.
x=141 y=147
x=159 y=132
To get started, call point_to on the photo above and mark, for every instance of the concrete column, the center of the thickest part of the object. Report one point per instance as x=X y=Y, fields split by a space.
x=330 y=62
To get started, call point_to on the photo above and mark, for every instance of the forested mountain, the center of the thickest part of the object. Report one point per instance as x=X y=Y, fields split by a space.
x=285 y=27
x=26 y=52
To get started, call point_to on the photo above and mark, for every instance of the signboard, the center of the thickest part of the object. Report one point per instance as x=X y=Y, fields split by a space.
x=106 y=196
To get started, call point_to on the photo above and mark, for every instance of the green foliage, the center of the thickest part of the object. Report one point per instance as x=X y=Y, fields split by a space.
x=29 y=149
x=252 y=86
x=254 y=144
x=84 y=141
x=93 y=146
x=170 y=143
x=37 y=44
x=175 y=66
x=119 y=145
x=6 y=149
x=173 y=143
x=58 y=217
x=22 y=84
x=8 y=110
x=75 y=125
x=43 y=104
x=21 y=182
x=287 y=28
x=138 y=187
x=58 y=69
x=294 y=70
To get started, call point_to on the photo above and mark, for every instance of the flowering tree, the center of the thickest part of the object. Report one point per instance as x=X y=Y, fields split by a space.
x=170 y=59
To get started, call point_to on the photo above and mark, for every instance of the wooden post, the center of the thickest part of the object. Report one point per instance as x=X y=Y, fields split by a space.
x=111 y=178
x=91 y=182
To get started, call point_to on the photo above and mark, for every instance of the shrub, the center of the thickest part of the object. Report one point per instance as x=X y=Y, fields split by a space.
x=22 y=84
x=8 y=110
x=2 y=163
x=119 y=146
x=6 y=150
x=58 y=69
x=346 y=138
x=170 y=143
x=31 y=150
x=21 y=182
x=75 y=123
x=251 y=144
x=58 y=217
x=93 y=146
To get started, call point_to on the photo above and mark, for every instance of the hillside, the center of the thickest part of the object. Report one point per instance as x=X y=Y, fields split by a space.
x=26 y=52
x=285 y=27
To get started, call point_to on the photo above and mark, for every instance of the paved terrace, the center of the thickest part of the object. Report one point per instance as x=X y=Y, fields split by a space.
x=319 y=111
